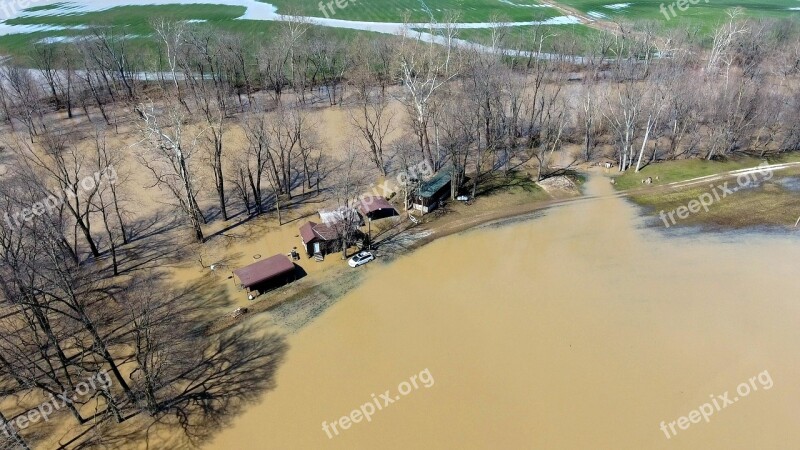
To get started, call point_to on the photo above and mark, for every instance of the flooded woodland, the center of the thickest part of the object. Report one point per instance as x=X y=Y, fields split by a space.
x=300 y=240
x=580 y=328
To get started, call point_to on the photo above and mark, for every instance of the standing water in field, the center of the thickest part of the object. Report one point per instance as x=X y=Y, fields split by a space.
x=576 y=330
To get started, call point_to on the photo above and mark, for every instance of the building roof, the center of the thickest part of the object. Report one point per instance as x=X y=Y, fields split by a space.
x=327 y=232
x=430 y=187
x=369 y=205
x=340 y=214
x=307 y=232
x=264 y=270
x=312 y=231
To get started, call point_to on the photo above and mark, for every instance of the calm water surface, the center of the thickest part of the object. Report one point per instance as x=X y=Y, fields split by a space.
x=576 y=330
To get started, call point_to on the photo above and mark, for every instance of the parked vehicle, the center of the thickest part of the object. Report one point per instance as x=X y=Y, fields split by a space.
x=360 y=259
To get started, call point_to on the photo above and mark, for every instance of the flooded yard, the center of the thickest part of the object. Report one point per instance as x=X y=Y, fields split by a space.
x=580 y=328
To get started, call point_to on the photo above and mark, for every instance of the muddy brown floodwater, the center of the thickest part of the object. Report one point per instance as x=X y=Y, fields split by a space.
x=576 y=330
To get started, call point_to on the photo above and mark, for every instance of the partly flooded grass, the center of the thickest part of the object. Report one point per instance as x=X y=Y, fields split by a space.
x=136 y=18
x=702 y=15
x=414 y=10
x=687 y=169
x=395 y=11
x=140 y=31
x=770 y=204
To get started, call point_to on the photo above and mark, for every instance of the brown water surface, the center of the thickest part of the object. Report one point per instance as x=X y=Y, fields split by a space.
x=576 y=330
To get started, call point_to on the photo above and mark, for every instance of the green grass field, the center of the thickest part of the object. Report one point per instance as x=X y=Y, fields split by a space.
x=686 y=169
x=46 y=7
x=771 y=204
x=671 y=171
x=704 y=15
x=418 y=10
x=136 y=19
x=135 y=22
x=375 y=11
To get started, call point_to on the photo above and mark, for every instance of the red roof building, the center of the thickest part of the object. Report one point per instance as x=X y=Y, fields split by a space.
x=320 y=238
x=271 y=272
x=376 y=208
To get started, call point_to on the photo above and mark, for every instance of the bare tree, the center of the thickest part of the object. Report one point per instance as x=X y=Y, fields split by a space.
x=349 y=186
x=252 y=166
x=424 y=69
x=458 y=138
x=733 y=113
x=279 y=59
x=622 y=113
x=65 y=166
x=111 y=53
x=590 y=119
x=173 y=37
x=206 y=72
x=331 y=60
x=724 y=37
x=167 y=154
x=24 y=97
x=108 y=201
x=288 y=129
x=371 y=117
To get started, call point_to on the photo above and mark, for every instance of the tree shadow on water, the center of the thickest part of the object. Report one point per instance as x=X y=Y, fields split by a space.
x=186 y=383
x=233 y=371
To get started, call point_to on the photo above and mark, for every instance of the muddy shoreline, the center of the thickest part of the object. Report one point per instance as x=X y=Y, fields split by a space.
x=292 y=308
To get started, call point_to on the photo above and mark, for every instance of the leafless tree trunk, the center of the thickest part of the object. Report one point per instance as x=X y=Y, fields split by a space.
x=424 y=69
x=371 y=118
x=166 y=154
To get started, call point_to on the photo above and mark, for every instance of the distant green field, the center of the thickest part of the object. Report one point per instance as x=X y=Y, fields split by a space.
x=704 y=15
x=46 y=7
x=375 y=10
x=419 y=10
x=135 y=22
x=136 y=18
x=557 y=37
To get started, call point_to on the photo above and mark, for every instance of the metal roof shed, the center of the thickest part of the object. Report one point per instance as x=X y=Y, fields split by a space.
x=376 y=208
x=431 y=192
x=273 y=270
x=431 y=187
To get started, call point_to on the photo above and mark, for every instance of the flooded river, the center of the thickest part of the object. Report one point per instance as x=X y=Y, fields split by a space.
x=579 y=329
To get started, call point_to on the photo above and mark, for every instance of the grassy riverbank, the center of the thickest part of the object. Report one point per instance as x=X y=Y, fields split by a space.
x=768 y=200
